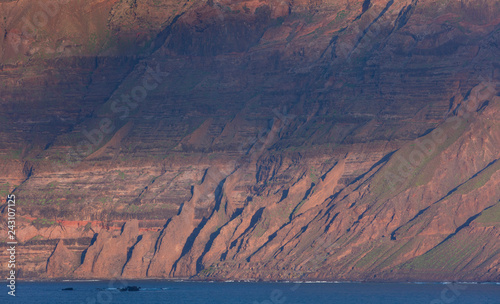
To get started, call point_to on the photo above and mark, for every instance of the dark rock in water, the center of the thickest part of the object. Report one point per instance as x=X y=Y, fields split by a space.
x=130 y=288
x=69 y=288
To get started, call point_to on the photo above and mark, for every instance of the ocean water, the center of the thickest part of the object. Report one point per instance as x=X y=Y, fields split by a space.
x=152 y=292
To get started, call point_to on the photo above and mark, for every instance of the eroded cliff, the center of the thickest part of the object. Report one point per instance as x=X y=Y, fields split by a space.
x=342 y=140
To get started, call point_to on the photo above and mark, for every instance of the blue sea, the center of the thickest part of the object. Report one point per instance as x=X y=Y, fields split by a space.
x=152 y=292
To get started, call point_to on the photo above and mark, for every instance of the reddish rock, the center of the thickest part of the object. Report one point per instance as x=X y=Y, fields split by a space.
x=62 y=262
x=106 y=257
x=278 y=140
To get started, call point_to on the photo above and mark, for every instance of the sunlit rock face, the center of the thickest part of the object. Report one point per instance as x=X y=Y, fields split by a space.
x=342 y=140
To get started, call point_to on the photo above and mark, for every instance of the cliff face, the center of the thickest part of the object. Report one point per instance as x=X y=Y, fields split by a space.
x=267 y=139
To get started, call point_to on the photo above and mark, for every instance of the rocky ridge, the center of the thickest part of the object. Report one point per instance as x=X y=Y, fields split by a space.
x=272 y=140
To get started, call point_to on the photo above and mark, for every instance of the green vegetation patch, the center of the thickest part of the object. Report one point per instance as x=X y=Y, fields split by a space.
x=314 y=175
x=371 y=257
x=42 y=222
x=403 y=249
x=208 y=271
x=480 y=180
x=87 y=227
x=121 y=174
x=37 y=238
x=447 y=256
x=262 y=227
x=490 y=216
x=341 y=15
x=12 y=154
x=4 y=190
x=400 y=173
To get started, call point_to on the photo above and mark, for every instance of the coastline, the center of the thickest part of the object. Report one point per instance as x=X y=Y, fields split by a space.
x=171 y=280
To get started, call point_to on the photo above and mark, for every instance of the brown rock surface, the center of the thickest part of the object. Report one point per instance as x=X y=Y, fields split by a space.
x=106 y=257
x=275 y=140
x=62 y=262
